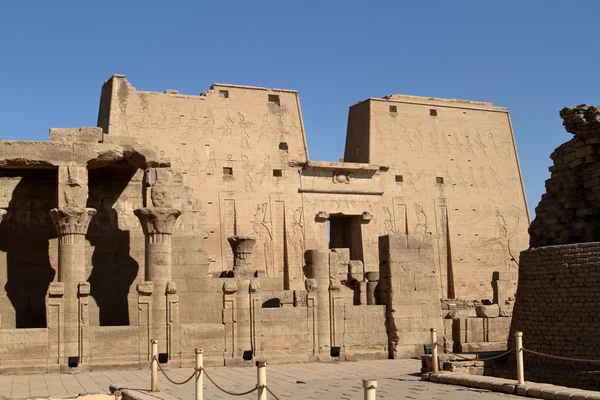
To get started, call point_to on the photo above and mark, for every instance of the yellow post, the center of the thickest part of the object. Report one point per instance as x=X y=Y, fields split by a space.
x=154 y=367
x=519 y=350
x=434 y=352
x=199 y=374
x=370 y=386
x=261 y=380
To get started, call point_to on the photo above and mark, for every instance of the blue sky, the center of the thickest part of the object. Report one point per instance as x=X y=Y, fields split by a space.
x=532 y=56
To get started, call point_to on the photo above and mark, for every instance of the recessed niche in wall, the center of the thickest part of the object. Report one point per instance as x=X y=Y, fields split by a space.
x=277 y=173
x=439 y=179
x=283 y=146
x=274 y=98
x=227 y=171
x=224 y=94
x=399 y=178
x=433 y=112
x=393 y=109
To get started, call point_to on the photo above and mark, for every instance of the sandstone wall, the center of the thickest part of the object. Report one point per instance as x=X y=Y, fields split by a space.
x=453 y=173
x=557 y=310
x=568 y=211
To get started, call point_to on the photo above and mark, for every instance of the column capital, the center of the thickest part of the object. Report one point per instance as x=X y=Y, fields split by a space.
x=157 y=220
x=72 y=220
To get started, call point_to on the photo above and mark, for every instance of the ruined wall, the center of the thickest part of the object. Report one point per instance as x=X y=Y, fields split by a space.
x=556 y=309
x=453 y=174
x=568 y=211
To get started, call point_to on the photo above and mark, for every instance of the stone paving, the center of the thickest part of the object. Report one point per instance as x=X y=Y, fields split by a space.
x=397 y=379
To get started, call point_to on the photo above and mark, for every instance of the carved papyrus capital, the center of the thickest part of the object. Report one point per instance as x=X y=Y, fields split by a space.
x=71 y=223
x=242 y=247
x=229 y=288
x=145 y=287
x=56 y=289
x=83 y=289
x=157 y=221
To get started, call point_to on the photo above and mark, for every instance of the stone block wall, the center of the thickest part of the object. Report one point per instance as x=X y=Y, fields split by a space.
x=568 y=211
x=557 y=310
x=409 y=289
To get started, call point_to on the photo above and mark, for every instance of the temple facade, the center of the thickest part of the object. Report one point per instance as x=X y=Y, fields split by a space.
x=201 y=221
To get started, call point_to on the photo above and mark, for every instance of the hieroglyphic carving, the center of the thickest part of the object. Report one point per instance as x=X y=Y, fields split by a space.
x=421 y=227
x=265 y=127
x=209 y=124
x=341 y=178
x=244 y=125
x=227 y=127
x=266 y=170
x=194 y=169
x=211 y=165
x=247 y=167
x=264 y=236
x=388 y=221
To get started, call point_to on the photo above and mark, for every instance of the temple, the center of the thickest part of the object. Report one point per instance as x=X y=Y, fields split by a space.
x=200 y=221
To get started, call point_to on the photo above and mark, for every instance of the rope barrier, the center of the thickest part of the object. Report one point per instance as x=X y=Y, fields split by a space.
x=202 y=370
x=476 y=359
x=272 y=394
x=171 y=380
x=559 y=357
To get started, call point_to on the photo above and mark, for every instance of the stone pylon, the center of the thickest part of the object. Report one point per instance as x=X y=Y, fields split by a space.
x=158 y=293
x=71 y=290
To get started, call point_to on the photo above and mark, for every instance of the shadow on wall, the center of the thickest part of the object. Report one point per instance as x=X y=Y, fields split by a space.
x=25 y=233
x=113 y=268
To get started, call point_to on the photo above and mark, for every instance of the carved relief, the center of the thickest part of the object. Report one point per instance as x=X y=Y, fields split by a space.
x=211 y=165
x=229 y=287
x=157 y=220
x=265 y=127
x=227 y=126
x=159 y=181
x=209 y=123
x=247 y=177
x=72 y=220
x=341 y=178
x=388 y=221
x=194 y=169
x=266 y=170
x=145 y=287
x=310 y=285
x=244 y=125
x=421 y=227
x=75 y=189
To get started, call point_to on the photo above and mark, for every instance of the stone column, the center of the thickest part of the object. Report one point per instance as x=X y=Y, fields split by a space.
x=242 y=247
x=157 y=224
x=71 y=225
x=372 y=281
x=317 y=270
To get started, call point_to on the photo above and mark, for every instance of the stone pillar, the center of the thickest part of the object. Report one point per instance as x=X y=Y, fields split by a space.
x=317 y=270
x=71 y=225
x=372 y=281
x=242 y=247
x=157 y=224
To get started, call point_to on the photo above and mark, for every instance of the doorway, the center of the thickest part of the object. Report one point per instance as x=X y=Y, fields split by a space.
x=345 y=231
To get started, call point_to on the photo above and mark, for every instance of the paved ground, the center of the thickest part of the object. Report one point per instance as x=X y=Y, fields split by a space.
x=397 y=379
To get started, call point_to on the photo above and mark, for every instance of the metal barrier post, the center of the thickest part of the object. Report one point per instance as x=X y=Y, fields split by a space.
x=261 y=378
x=434 y=350
x=519 y=350
x=199 y=374
x=154 y=367
x=370 y=386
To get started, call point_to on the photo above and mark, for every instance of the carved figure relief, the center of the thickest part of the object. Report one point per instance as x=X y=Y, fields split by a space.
x=266 y=170
x=247 y=167
x=209 y=123
x=388 y=221
x=227 y=126
x=265 y=127
x=244 y=125
x=296 y=239
x=194 y=169
x=421 y=227
x=211 y=165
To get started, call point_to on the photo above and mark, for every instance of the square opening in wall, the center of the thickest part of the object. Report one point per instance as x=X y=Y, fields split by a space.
x=227 y=171
x=399 y=178
x=433 y=112
x=439 y=179
x=277 y=173
x=393 y=109
x=274 y=98
x=283 y=146
x=224 y=94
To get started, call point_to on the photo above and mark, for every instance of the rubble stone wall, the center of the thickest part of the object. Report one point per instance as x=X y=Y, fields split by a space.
x=568 y=211
x=557 y=310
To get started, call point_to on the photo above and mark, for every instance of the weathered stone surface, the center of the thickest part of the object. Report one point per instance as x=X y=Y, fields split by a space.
x=233 y=163
x=488 y=311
